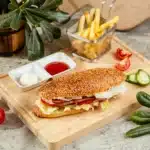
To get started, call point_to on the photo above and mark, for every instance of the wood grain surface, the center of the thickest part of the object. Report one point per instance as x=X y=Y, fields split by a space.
x=56 y=132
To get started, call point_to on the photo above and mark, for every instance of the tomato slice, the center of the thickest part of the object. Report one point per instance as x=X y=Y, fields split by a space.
x=122 y=54
x=49 y=103
x=123 y=65
x=61 y=103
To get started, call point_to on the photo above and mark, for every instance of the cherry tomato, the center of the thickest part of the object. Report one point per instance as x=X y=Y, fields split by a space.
x=123 y=65
x=122 y=54
x=2 y=115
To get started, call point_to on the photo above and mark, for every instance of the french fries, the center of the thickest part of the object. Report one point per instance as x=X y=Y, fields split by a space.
x=92 y=13
x=108 y=24
x=92 y=31
x=97 y=19
x=85 y=33
x=90 y=27
x=87 y=17
x=113 y=21
x=81 y=23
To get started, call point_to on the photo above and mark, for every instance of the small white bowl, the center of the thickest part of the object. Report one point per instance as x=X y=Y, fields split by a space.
x=37 y=68
x=41 y=74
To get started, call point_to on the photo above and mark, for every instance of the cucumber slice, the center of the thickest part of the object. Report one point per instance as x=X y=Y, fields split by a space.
x=132 y=78
x=142 y=77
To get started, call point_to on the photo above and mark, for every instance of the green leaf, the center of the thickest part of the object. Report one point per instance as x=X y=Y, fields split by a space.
x=45 y=33
x=37 y=12
x=6 y=19
x=56 y=32
x=35 y=46
x=58 y=16
x=14 y=2
x=30 y=19
x=16 y=21
x=25 y=4
x=27 y=34
x=37 y=18
x=51 y=4
x=11 y=7
x=37 y=2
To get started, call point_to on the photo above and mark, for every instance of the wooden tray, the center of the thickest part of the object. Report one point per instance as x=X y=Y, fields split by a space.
x=56 y=132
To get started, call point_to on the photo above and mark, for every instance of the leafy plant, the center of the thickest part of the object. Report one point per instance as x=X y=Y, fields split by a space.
x=36 y=16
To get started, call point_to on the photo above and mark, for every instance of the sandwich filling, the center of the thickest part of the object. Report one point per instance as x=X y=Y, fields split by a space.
x=79 y=103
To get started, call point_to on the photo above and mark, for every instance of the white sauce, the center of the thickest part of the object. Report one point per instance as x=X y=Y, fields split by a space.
x=28 y=79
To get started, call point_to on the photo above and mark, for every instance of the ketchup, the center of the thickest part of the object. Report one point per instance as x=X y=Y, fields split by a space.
x=56 y=67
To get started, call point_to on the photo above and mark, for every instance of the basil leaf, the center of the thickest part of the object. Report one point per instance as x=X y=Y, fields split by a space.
x=51 y=4
x=16 y=21
x=35 y=46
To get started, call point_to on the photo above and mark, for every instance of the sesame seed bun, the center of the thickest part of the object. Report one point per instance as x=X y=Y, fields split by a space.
x=82 y=83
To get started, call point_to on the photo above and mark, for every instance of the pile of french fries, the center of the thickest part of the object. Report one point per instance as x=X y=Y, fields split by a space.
x=91 y=27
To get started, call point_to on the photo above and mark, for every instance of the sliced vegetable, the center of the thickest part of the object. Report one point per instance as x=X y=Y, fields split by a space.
x=139 y=131
x=122 y=54
x=140 y=120
x=131 y=78
x=142 y=77
x=143 y=98
x=141 y=113
x=123 y=65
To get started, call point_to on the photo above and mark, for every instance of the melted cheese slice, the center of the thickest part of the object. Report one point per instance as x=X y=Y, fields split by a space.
x=46 y=109
x=49 y=110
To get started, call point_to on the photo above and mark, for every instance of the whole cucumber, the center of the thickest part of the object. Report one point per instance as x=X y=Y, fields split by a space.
x=142 y=114
x=143 y=98
x=140 y=120
x=138 y=131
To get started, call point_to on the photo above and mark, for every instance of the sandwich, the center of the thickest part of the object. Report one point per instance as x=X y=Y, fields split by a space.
x=78 y=92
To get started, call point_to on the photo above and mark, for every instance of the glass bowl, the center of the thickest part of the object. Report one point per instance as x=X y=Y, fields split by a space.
x=90 y=49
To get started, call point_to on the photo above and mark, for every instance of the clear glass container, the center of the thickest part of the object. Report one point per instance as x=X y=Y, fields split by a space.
x=90 y=50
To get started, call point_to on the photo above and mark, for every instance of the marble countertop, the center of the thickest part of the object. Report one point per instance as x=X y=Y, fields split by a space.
x=15 y=135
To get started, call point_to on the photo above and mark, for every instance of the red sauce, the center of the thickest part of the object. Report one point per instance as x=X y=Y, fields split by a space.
x=56 y=67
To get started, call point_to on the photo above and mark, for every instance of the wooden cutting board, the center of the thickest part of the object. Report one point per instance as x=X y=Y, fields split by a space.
x=56 y=132
x=131 y=12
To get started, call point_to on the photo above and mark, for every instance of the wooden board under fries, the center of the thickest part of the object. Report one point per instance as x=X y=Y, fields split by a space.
x=56 y=132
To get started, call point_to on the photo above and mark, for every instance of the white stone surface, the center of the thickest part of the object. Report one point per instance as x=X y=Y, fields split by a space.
x=15 y=135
